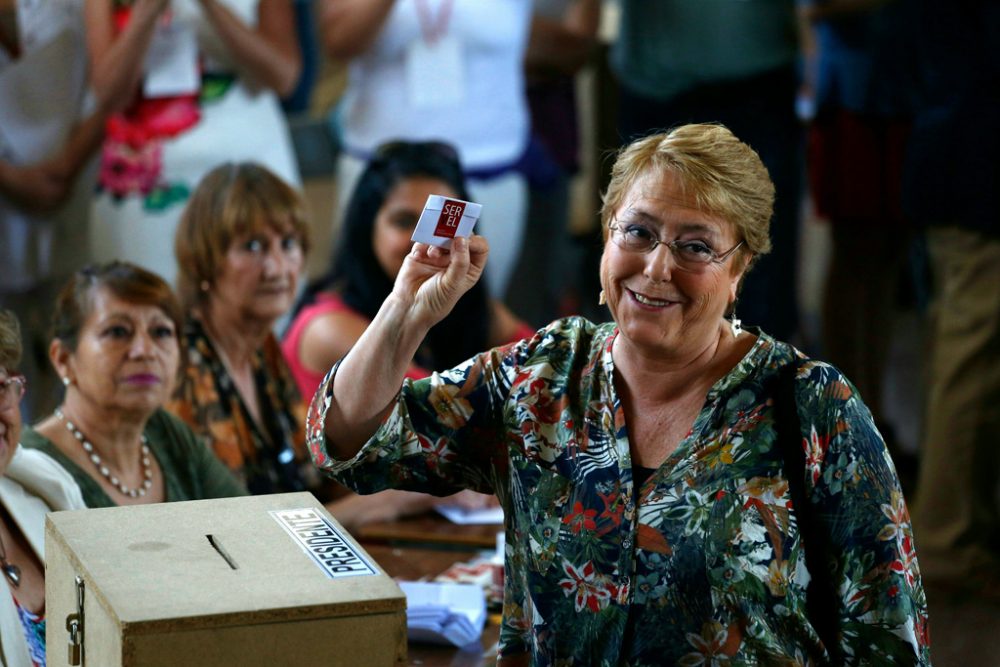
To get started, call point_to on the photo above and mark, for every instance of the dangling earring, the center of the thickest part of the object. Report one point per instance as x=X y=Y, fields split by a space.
x=736 y=326
x=601 y=299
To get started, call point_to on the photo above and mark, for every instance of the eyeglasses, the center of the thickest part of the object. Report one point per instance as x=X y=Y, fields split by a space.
x=12 y=391
x=689 y=255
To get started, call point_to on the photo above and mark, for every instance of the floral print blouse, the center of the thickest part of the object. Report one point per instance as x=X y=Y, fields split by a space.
x=700 y=565
x=267 y=457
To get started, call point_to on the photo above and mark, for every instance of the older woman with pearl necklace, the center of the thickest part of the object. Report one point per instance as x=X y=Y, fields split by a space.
x=116 y=346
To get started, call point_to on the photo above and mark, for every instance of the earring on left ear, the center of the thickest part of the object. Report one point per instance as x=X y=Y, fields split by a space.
x=735 y=325
x=601 y=299
x=205 y=286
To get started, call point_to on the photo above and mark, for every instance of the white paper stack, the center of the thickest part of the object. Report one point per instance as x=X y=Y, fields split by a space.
x=465 y=516
x=444 y=613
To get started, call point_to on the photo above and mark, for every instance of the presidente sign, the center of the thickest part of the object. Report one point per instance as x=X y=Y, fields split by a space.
x=323 y=542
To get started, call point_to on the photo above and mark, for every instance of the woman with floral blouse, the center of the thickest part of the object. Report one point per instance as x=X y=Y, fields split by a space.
x=678 y=490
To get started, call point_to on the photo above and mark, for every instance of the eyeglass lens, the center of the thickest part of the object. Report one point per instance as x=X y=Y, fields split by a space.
x=11 y=390
x=639 y=239
x=688 y=254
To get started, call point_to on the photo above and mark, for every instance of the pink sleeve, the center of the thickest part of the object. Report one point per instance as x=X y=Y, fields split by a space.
x=415 y=372
x=522 y=331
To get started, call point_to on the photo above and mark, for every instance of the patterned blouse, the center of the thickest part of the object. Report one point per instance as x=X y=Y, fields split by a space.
x=703 y=563
x=269 y=457
x=34 y=633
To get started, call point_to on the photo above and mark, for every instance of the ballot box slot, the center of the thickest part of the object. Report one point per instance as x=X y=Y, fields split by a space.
x=157 y=595
x=221 y=550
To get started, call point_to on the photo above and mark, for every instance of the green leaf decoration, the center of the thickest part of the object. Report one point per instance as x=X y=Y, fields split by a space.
x=215 y=86
x=166 y=196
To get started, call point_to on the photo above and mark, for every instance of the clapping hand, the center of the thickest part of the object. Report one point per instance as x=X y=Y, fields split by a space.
x=151 y=10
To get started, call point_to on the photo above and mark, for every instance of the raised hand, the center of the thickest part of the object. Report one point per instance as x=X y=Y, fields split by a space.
x=116 y=58
x=155 y=7
x=427 y=286
x=146 y=12
x=433 y=279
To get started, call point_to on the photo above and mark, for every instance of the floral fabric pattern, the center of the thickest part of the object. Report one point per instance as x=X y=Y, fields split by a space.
x=132 y=154
x=267 y=457
x=701 y=565
x=34 y=633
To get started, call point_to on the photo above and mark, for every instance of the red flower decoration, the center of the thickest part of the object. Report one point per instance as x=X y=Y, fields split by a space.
x=126 y=170
x=132 y=159
x=580 y=518
x=590 y=591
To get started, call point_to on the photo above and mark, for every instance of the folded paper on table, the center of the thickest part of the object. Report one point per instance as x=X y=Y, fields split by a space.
x=444 y=613
x=463 y=516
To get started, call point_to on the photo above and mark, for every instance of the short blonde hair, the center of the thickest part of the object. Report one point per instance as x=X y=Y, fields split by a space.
x=10 y=341
x=725 y=176
x=231 y=200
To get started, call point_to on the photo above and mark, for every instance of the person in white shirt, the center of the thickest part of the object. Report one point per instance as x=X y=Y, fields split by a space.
x=50 y=127
x=440 y=70
x=31 y=485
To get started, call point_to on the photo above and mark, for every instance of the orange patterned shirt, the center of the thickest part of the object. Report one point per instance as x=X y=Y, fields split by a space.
x=270 y=456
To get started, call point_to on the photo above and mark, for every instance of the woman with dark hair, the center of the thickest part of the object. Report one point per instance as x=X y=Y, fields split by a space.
x=336 y=309
x=116 y=346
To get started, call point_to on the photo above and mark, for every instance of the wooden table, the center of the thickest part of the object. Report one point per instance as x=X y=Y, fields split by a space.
x=413 y=564
x=430 y=529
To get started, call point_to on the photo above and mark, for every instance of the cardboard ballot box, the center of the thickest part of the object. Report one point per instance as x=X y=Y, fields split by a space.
x=256 y=581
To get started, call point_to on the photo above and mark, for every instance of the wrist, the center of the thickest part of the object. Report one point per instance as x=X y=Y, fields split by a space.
x=399 y=311
x=407 y=329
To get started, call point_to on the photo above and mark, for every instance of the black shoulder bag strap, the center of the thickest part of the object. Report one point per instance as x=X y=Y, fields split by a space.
x=822 y=604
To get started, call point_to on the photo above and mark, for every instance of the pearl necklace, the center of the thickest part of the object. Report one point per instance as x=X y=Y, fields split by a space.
x=95 y=458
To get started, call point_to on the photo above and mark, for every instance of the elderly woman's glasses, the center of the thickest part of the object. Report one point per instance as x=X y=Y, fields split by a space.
x=689 y=255
x=12 y=391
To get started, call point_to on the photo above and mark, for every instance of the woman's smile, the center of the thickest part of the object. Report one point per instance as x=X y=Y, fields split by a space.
x=649 y=302
x=657 y=304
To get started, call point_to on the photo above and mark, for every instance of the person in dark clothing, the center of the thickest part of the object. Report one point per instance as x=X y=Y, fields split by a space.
x=952 y=185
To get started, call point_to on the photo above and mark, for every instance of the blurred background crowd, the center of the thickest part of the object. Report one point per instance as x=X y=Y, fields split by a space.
x=204 y=202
